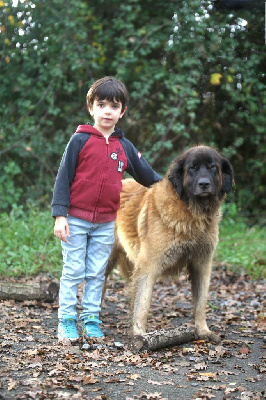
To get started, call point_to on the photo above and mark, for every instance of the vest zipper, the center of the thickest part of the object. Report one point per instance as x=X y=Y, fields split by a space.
x=103 y=179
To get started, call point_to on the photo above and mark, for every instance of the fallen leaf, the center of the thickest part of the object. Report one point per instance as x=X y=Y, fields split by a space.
x=244 y=350
x=208 y=374
x=153 y=382
x=12 y=384
x=134 y=377
x=89 y=380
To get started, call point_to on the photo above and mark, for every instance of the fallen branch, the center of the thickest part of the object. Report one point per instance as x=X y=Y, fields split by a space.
x=45 y=291
x=161 y=339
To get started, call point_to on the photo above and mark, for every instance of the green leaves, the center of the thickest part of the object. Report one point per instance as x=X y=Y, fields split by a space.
x=194 y=75
x=10 y=193
x=240 y=246
x=27 y=243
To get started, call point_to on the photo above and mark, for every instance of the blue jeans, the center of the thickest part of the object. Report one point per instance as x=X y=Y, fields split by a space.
x=85 y=257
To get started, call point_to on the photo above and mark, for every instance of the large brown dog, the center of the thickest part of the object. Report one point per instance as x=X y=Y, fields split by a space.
x=170 y=226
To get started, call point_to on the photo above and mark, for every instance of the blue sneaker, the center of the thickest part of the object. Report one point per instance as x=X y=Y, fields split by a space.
x=67 y=329
x=91 y=329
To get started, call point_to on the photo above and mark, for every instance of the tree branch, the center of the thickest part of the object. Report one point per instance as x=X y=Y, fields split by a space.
x=45 y=291
x=157 y=28
x=161 y=339
x=168 y=128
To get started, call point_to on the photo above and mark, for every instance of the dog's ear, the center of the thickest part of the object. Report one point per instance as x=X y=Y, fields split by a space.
x=227 y=176
x=176 y=174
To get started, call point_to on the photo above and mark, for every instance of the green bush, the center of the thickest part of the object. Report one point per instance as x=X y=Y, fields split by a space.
x=195 y=74
x=27 y=244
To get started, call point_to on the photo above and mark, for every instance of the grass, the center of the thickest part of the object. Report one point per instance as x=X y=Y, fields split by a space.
x=27 y=243
x=242 y=248
x=28 y=246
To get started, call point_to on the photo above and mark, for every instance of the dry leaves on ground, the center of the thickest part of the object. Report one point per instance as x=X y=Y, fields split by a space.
x=34 y=366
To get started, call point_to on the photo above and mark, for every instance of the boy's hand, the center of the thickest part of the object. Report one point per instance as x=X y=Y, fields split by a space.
x=61 y=228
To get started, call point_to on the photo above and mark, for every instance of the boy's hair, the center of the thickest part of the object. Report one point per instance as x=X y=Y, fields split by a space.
x=108 y=88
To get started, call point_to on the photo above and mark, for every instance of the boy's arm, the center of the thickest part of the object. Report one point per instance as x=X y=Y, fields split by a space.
x=66 y=174
x=138 y=167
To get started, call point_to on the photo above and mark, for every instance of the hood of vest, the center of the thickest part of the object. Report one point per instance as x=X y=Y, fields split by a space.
x=90 y=129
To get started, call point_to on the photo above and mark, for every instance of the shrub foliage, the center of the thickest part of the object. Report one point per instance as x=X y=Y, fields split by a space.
x=195 y=74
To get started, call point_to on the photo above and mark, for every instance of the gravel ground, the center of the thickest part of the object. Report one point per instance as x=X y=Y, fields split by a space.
x=34 y=366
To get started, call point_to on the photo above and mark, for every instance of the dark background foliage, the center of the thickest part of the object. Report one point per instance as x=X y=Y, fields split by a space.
x=195 y=71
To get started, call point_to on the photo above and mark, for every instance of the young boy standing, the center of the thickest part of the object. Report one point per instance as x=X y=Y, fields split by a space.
x=85 y=203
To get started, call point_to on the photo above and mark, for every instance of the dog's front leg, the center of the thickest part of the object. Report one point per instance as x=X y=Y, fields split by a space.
x=142 y=288
x=200 y=279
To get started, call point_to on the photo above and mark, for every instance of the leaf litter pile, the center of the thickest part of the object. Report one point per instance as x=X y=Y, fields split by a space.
x=33 y=365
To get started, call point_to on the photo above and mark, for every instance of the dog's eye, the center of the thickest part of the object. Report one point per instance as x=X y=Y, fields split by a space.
x=193 y=166
x=212 y=166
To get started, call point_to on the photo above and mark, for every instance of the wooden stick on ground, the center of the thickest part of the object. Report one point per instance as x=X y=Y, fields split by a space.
x=161 y=339
x=45 y=291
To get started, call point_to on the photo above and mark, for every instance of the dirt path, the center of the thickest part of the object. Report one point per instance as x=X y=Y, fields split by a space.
x=34 y=366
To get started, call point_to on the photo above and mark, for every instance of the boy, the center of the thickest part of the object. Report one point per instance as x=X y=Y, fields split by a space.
x=85 y=202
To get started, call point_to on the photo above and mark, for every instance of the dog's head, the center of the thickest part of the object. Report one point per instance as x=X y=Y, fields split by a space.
x=201 y=173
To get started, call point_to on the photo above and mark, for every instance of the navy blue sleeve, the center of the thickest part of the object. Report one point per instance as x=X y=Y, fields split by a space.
x=137 y=166
x=66 y=174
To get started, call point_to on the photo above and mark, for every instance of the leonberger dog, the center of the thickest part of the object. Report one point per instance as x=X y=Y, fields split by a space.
x=172 y=226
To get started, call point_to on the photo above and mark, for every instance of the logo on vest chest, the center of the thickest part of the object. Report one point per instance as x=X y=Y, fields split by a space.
x=120 y=166
x=114 y=156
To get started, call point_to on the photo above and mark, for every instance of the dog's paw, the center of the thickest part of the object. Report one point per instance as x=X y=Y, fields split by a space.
x=208 y=336
x=212 y=337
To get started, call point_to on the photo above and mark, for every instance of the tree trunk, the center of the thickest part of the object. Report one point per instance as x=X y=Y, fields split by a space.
x=161 y=339
x=45 y=291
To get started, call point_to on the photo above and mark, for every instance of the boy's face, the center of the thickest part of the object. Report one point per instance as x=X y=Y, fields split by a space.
x=106 y=114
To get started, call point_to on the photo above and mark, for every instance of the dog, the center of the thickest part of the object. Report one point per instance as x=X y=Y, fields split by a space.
x=171 y=226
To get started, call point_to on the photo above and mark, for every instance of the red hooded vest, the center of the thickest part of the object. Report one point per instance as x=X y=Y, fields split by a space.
x=88 y=182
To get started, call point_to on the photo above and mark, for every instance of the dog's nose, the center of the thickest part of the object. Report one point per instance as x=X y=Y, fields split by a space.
x=204 y=183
